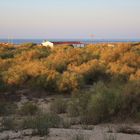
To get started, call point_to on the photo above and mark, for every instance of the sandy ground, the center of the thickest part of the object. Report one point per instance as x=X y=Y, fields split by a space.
x=97 y=133
x=75 y=132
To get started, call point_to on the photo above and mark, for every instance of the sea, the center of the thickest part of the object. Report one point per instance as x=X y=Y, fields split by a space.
x=38 y=41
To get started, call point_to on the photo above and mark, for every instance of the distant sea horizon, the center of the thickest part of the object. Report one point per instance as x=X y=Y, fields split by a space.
x=38 y=41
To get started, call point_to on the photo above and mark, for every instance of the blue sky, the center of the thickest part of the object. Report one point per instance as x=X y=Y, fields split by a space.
x=115 y=19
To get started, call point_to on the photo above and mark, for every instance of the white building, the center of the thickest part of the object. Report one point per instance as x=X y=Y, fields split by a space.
x=48 y=44
x=78 y=45
x=111 y=45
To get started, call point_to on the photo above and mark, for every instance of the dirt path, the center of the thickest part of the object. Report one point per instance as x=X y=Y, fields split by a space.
x=98 y=133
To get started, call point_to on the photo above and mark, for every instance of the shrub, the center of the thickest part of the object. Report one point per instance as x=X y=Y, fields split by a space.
x=70 y=55
x=28 y=55
x=80 y=136
x=7 y=108
x=73 y=107
x=49 y=120
x=8 y=123
x=78 y=104
x=43 y=52
x=104 y=103
x=58 y=64
x=136 y=76
x=131 y=98
x=48 y=81
x=32 y=54
x=3 y=86
x=91 y=71
x=28 y=45
x=5 y=64
x=110 y=137
x=97 y=105
x=40 y=125
x=29 y=108
x=7 y=55
x=84 y=99
x=23 y=73
x=42 y=68
x=66 y=123
x=70 y=82
x=107 y=101
x=15 y=75
x=41 y=129
x=59 y=105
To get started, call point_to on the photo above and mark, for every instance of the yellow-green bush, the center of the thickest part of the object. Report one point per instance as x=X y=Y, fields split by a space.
x=46 y=81
x=67 y=69
x=93 y=70
x=69 y=82
x=21 y=73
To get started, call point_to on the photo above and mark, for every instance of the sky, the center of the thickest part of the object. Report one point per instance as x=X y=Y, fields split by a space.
x=105 y=19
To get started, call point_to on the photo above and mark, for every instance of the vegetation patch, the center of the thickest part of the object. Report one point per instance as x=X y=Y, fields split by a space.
x=7 y=108
x=29 y=108
x=59 y=105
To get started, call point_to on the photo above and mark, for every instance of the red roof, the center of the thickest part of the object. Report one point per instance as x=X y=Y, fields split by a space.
x=67 y=42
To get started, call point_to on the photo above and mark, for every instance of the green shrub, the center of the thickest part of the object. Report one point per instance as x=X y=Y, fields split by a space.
x=131 y=98
x=41 y=123
x=29 y=108
x=41 y=129
x=98 y=105
x=38 y=124
x=84 y=99
x=7 y=55
x=8 y=123
x=44 y=52
x=110 y=137
x=92 y=71
x=78 y=104
x=104 y=103
x=3 y=86
x=28 y=45
x=80 y=136
x=50 y=120
x=66 y=123
x=7 y=108
x=73 y=107
x=59 y=105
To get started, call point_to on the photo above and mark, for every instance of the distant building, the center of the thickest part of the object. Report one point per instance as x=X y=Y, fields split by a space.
x=111 y=45
x=74 y=44
x=48 y=44
x=80 y=45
